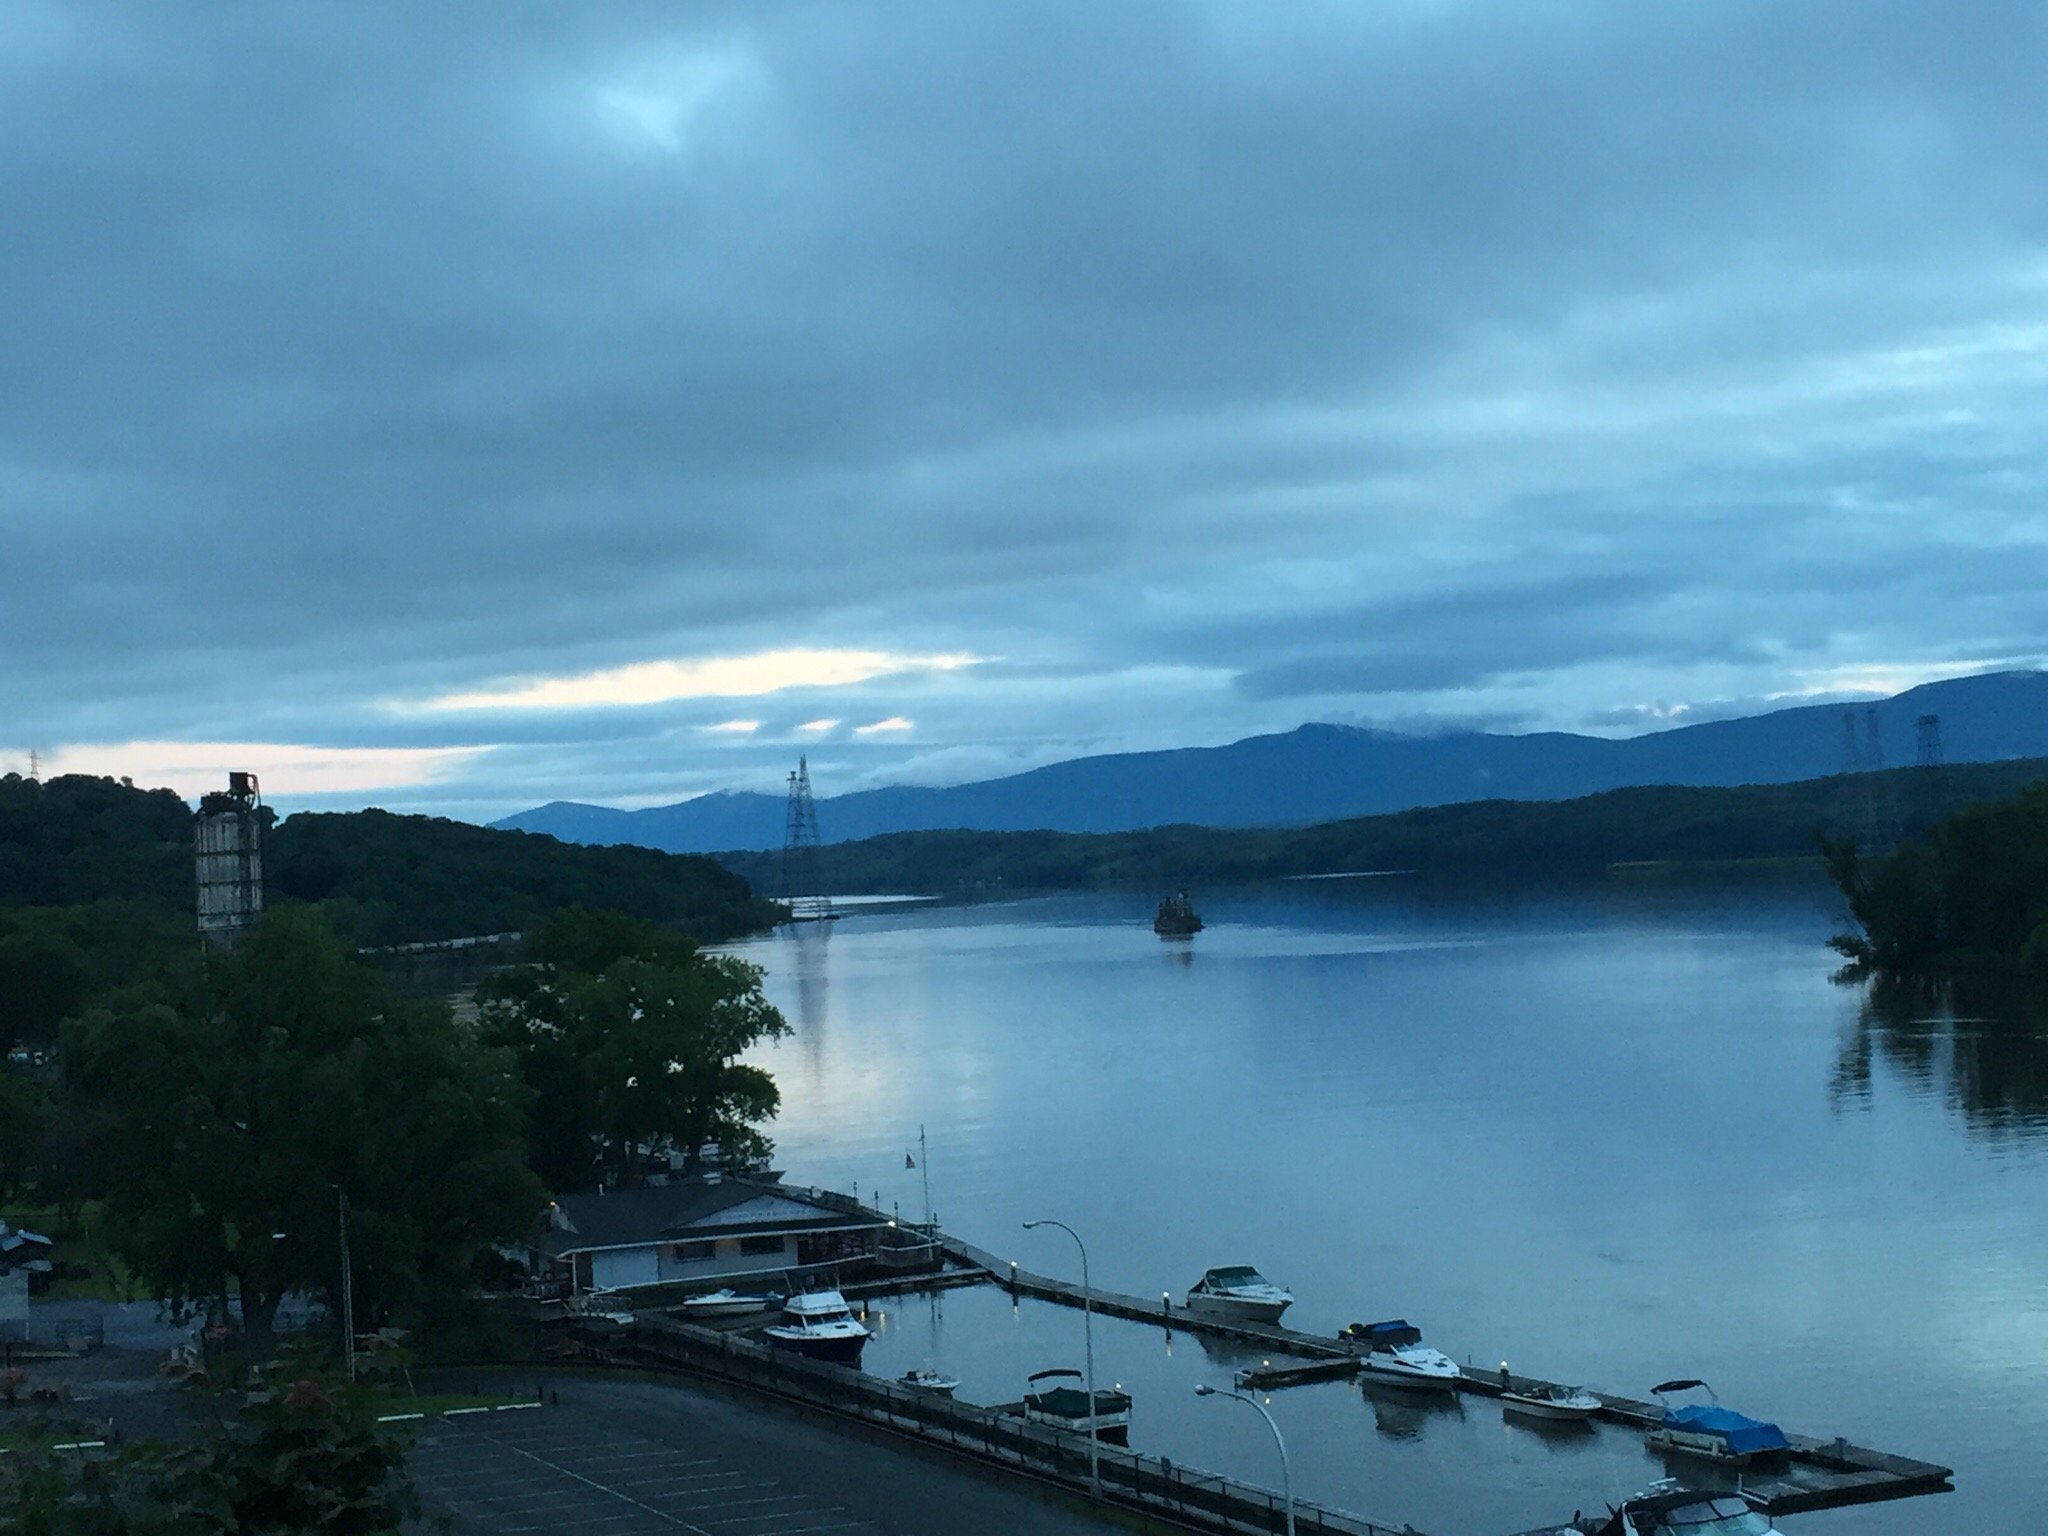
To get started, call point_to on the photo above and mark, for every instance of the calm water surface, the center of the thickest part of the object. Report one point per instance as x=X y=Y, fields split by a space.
x=1610 y=1137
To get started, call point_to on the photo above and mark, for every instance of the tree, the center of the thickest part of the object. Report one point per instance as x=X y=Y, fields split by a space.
x=307 y=1456
x=629 y=1041
x=234 y=1120
x=42 y=982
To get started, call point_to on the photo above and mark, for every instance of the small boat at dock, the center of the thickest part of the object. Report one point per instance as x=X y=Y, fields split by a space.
x=819 y=1326
x=1177 y=918
x=1395 y=1353
x=1557 y=1405
x=1716 y=1434
x=925 y=1379
x=1668 y=1508
x=1240 y=1293
x=727 y=1303
x=1052 y=1401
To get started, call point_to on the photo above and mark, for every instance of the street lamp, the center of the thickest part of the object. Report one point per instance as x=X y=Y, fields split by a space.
x=1286 y=1482
x=1087 y=1350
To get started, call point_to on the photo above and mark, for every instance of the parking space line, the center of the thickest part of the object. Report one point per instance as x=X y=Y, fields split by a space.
x=614 y=1493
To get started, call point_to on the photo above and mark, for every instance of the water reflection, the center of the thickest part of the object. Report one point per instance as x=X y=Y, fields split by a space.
x=806 y=953
x=1980 y=1046
x=1403 y=1413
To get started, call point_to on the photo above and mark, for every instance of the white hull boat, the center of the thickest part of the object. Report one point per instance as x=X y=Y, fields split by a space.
x=1240 y=1294
x=819 y=1326
x=728 y=1303
x=1559 y=1405
x=929 y=1380
x=1412 y=1365
x=1107 y=1417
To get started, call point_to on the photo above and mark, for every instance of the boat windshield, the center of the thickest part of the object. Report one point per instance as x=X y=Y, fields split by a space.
x=1238 y=1275
x=1714 y=1517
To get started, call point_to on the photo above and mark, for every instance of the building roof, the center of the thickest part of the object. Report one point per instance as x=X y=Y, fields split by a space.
x=690 y=1210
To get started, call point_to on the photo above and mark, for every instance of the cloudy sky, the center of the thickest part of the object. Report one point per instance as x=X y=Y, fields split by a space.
x=457 y=407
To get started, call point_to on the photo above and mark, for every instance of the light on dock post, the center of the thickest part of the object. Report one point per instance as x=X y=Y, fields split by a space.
x=1087 y=1350
x=1286 y=1478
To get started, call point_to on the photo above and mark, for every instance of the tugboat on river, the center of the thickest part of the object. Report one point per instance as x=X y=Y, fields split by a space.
x=1177 y=918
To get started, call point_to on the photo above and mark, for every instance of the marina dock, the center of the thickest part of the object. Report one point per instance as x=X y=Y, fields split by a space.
x=1823 y=1473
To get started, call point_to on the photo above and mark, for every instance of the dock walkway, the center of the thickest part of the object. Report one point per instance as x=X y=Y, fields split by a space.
x=1823 y=1474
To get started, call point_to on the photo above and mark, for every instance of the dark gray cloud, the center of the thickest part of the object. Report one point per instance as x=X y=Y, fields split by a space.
x=1203 y=366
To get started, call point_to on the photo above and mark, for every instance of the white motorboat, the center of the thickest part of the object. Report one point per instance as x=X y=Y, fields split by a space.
x=1240 y=1293
x=925 y=1379
x=728 y=1303
x=1415 y=1365
x=1669 y=1509
x=1563 y=1405
x=1108 y=1417
x=820 y=1326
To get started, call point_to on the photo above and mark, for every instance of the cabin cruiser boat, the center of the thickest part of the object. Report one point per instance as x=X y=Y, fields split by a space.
x=1560 y=1405
x=1052 y=1400
x=925 y=1379
x=1240 y=1293
x=819 y=1326
x=1394 y=1352
x=727 y=1303
x=1717 y=1434
x=1177 y=918
x=1668 y=1508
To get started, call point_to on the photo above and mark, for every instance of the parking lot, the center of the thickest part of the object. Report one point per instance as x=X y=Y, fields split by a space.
x=635 y=1459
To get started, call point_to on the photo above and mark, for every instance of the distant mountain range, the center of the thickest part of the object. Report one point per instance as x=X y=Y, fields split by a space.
x=1320 y=773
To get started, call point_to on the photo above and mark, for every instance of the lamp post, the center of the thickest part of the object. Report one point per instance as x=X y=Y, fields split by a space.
x=1286 y=1481
x=1087 y=1351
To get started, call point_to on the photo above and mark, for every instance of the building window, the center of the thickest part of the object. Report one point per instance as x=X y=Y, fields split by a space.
x=691 y=1253
x=756 y=1247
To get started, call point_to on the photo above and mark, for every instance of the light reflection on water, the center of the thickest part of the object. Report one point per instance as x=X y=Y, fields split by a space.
x=1614 y=1136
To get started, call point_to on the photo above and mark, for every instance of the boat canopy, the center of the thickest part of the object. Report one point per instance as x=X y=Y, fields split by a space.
x=1744 y=1435
x=1392 y=1334
x=1072 y=1402
x=1232 y=1275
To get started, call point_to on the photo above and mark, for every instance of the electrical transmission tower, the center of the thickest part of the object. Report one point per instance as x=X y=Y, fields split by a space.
x=1927 y=733
x=807 y=904
x=1864 y=788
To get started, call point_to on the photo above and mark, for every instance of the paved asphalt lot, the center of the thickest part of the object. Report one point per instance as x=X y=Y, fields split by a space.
x=639 y=1459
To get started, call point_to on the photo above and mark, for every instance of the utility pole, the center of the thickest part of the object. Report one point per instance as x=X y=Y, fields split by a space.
x=348 y=1292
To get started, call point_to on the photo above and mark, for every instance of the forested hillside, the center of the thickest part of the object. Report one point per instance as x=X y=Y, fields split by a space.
x=76 y=841
x=1494 y=838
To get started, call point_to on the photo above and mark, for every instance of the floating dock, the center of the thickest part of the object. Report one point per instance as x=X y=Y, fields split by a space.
x=1823 y=1474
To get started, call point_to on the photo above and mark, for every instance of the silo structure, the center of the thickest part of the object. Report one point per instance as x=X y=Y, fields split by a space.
x=227 y=846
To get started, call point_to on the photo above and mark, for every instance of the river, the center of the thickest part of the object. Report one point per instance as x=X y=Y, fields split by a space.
x=1610 y=1135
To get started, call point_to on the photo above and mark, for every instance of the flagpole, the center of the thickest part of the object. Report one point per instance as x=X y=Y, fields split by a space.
x=924 y=1165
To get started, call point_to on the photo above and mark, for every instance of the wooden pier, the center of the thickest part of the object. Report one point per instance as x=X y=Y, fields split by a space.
x=1823 y=1474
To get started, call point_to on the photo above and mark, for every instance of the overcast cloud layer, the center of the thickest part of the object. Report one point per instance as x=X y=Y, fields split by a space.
x=611 y=402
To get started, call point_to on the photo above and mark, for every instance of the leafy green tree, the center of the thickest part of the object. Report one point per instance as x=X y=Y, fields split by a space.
x=629 y=1040
x=22 y=1116
x=307 y=1456
x=42 y=982
x=234 y=1120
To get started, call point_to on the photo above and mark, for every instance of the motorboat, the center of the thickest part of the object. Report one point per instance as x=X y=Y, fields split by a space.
x=1177 y=918
x=1394 y=1352
x=728 y=1303
x=1713 y=1433
x=1058 y=1398
x=1561 y=1405
x=925 y=1379
x=1241 y=1293
x=1668 y=1508
x=819 y=1326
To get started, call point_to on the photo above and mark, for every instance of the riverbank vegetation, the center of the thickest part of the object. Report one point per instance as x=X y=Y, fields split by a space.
x=1970 y=894
x=1494 y=839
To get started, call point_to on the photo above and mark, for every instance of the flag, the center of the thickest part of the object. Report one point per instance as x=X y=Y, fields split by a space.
x=909 y=1161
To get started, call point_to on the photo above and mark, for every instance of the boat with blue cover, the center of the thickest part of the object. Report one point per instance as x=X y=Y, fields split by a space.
x=1714 y=1433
